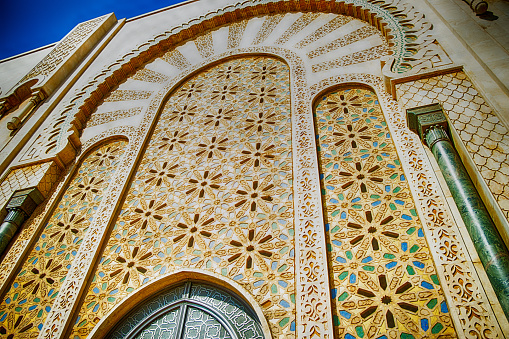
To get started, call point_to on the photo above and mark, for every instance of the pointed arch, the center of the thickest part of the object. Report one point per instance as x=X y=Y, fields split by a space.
x=177 y=278
x=255 y=115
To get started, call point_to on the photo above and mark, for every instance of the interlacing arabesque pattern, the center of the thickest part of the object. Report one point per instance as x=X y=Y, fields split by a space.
x=29 y=299
x=153 y=320
x=383 y=279
x=213 y=191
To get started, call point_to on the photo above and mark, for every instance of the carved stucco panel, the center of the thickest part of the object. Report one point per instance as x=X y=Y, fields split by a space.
x=313 y=316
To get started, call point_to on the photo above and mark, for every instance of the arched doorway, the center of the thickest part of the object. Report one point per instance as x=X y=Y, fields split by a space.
x=191 y=310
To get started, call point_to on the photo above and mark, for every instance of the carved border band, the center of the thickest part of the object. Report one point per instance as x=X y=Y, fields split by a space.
x=377 y=13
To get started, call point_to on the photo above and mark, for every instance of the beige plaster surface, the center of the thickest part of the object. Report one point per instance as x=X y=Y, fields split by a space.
x=14 y=68
x=477 y=44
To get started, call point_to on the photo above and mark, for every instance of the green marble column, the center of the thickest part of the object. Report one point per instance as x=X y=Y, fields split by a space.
x=11 y=223
x=430 y=123
x=19 y=208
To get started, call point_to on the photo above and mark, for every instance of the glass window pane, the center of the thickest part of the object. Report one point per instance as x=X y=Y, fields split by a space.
x=163 y=327
x=201 y=325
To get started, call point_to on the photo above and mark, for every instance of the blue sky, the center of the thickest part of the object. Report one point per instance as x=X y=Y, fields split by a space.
x=30 y=24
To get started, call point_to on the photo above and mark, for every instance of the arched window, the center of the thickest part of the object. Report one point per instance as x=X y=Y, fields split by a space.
x=191 y=310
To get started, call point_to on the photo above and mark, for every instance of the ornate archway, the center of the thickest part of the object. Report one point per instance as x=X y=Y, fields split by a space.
x=190 y=310
x=308 y=221
x=412 y=46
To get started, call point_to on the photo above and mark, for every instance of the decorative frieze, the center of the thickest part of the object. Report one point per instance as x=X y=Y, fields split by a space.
x=268 y=26
x=103 y=118
x=175 y=58
x=324 y=30
x=149 y=75
x=297 y=26
x=235 y=33
x=372 y=53
x=350 y=38
x=123 y=95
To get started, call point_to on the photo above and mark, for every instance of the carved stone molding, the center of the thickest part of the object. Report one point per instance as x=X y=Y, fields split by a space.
x=413 y=47
x=121 y=131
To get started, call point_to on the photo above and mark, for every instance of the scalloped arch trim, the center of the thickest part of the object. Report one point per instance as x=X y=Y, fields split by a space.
x=61 y=139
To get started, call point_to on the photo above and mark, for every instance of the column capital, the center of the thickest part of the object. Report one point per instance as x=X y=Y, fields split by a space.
x=38 y=96
x=423 y=119
x=25 y=200
x=21 y=204
x=478 y=6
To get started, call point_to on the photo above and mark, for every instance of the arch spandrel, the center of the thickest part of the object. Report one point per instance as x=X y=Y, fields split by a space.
x=165 y=283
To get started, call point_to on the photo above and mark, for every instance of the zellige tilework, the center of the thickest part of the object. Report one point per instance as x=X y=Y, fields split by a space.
x=383 y=280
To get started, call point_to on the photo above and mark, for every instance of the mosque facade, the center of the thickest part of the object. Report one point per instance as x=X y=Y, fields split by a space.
x=260 y=169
